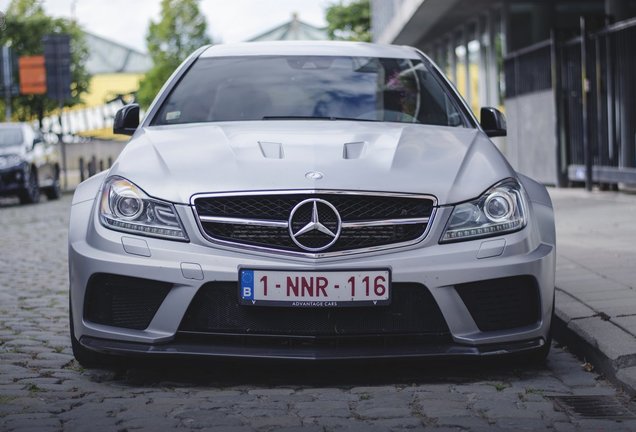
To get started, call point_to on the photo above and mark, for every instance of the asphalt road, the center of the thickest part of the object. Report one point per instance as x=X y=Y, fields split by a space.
x=43 y=389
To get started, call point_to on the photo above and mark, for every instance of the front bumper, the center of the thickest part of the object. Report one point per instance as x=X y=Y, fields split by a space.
x=94 y=249
x=12 y=180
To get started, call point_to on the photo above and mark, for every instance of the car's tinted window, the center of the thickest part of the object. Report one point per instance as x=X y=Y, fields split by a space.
x=10 y=137
x=271 y=87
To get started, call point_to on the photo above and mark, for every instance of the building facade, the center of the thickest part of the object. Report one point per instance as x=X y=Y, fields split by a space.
x=561 y=70
x=295 y=29
x=116 y=71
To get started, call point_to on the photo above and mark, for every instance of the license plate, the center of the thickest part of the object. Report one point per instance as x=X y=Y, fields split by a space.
x=314 y=288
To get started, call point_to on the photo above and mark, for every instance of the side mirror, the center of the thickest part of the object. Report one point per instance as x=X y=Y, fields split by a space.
x=126 y=120
x=493 y=122
x=37 y=140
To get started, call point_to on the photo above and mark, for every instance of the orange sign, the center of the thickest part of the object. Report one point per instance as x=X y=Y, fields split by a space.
x=32 y=75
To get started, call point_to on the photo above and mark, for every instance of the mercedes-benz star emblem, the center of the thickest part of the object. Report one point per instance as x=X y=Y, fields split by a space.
x=314 y=175
x=314 y=225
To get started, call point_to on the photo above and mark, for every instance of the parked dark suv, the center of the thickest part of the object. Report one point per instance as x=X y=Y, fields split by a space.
x=28 y=165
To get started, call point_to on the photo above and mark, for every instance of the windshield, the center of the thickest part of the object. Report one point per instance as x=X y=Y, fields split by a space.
x=10 y=137
x=309 y=87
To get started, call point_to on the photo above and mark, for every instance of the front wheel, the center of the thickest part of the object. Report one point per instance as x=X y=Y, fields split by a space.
x=539 y=356
x=54 y=191
x=31 y=193
x=85 y=357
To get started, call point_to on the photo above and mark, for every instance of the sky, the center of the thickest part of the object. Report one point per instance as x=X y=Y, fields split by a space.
x=126 y=21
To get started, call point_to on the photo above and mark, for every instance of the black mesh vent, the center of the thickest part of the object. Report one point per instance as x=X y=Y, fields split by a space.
x=249 y=234
x=413 y=310
x=500 y=304
x=350 y=238
x=123 y=301
x=350 y=207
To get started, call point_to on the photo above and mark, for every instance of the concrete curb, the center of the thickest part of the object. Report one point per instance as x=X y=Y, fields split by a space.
x=596 y=280
x=591 y=343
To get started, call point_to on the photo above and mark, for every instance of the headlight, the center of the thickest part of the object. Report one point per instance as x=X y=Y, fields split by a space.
x=9 y=161
x=125 y=207
x=499 y=211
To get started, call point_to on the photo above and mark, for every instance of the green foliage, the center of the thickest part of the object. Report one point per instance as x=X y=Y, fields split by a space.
x=26 y=25
x=180 y=31
x=350 y=21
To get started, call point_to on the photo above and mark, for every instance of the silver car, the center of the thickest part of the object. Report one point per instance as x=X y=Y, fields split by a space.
x=28 y=164
x=310 y=200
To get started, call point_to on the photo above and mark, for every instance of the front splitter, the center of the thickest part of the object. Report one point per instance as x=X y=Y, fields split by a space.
x=189 y=349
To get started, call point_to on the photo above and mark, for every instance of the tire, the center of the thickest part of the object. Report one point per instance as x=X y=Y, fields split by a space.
x=85 y=357
x=54 y=191
x=539 y=356
x=31 y=194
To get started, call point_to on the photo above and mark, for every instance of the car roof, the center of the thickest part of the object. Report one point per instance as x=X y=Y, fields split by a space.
x=317 y=48
x=14 y=125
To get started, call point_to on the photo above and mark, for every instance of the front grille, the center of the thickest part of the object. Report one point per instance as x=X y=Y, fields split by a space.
x=413 y=311
x=349 y=238
x=501 y=304
x=367 y=221
x=350 y=207
x=123 y=301
x=11 y=179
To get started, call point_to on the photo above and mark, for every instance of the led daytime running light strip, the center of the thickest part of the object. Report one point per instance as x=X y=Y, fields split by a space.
x=491 y=229
x=158 y=231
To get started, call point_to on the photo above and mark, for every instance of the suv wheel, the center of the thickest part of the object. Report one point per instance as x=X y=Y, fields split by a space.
x=54 y=191
x=31 y=193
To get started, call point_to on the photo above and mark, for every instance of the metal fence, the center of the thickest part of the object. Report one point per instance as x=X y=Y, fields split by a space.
x=593 y=77
x=570 y=104
x=615 y=100
x=529 y=70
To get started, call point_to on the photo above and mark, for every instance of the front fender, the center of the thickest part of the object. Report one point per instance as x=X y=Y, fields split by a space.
x=543 y=209
x=88 y=189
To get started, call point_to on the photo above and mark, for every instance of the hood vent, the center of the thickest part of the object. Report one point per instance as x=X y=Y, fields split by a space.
x=353 y=150
x=271 y=150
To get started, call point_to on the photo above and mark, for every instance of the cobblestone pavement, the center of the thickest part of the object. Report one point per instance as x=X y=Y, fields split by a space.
x=43 y=389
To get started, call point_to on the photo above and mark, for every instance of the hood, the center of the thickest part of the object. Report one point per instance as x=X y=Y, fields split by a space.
x=17 y=150
x=175 y=162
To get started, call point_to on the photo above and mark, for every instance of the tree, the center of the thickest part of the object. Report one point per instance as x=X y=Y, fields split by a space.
x=181 y=30
x=26 y=25
x=350 y=21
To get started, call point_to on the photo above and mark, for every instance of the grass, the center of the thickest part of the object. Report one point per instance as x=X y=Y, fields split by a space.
x=499 y=386
x=33 y=388
x=6 y=399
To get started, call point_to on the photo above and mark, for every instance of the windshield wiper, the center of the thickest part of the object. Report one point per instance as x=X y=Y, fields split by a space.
x=315 y=118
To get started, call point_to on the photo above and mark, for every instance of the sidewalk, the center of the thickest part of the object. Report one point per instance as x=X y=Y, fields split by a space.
x=596 y=280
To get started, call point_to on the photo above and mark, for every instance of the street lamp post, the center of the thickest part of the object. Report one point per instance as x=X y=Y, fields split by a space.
x=7 y=81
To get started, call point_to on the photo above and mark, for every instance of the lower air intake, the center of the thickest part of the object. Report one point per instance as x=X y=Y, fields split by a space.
x=501 y=304
x=122 y=301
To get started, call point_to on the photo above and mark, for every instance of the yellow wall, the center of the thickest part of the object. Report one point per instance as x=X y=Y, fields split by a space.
x=105 y=87
x=474 y=84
